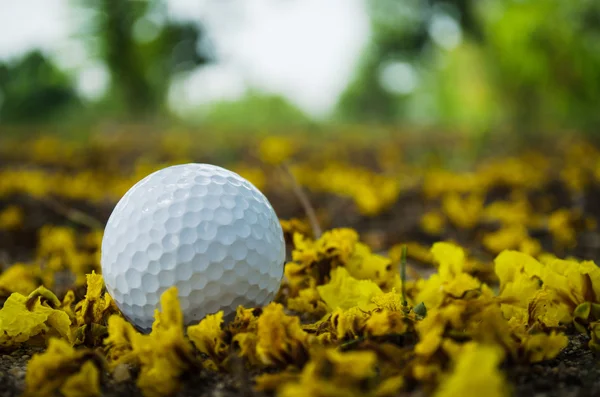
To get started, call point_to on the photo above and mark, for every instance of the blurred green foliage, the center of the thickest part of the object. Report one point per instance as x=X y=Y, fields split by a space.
x=545 y=60
x=471 y=65
x=255 y=110
x=400 y=33
x=33 y=89
x=143 y=50
x=520 y=64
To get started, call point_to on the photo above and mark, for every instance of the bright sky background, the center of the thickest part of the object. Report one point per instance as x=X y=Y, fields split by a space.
x=304 y=49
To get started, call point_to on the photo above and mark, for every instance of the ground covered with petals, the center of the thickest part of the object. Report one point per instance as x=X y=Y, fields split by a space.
x=413 y=269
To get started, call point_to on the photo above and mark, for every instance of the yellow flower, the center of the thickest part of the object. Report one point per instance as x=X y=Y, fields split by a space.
x=163 y=360
x=11 y=217
x=576 y=282
x=280 y=339
x=245 y=343
x=84 y=383
x=208 y=337
x=308 y=301
x=550 y=290
x=540 y=347
x=438 y=182
x=510 y=265
x=388 y=301
x=512 y=212
x=365 y=265
x=22 y=318
x=56 y=240
x=475 y=372
x=92 y=313
x=332 y=374
x=432 y=222
x=119 y=348
x=387 y=322
x=49 y=149
x=314 y=259
x=463 y=212
x=560 y=225
x=96 y=306
x=475 y=318
x=451 y=259
x=450 y=280
x=464 y=284
x=20 y=278
x=511 y=237
x=348 y=324
x=345 y=292
x=275 y=149
x=63 y=369
x=316 y=263
x=546 y=308
x=246 y=320
x=371 y=192
x=163 y=356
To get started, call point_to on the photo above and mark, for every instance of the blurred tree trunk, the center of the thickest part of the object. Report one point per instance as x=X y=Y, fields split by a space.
x=122 y=57
x=141 y=68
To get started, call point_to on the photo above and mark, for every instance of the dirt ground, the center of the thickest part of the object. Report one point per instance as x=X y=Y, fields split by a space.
x=575 y=372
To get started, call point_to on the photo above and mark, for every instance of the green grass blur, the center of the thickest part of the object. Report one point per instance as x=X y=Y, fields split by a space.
x=474 y=67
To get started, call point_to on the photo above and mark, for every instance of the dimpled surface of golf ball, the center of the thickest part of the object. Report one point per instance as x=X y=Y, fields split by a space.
x=201 y=228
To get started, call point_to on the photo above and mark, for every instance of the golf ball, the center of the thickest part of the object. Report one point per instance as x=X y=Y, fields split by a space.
x=201 y=228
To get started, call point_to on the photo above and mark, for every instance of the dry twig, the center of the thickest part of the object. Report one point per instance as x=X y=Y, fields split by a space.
x=304 y=201
x=73 y=214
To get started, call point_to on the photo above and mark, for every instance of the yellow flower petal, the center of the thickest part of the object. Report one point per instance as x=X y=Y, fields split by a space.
x=344 y=291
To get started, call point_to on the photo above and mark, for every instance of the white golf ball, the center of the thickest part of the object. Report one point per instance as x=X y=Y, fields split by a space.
x=201 y=228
